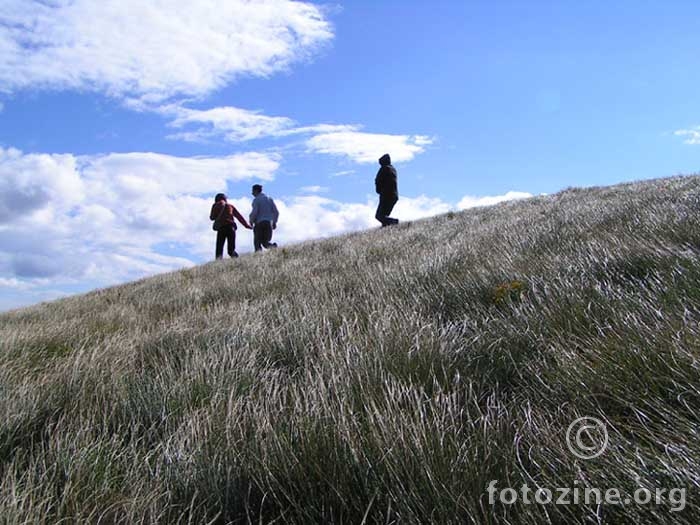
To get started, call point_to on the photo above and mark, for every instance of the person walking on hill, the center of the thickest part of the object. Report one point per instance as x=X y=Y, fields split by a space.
x=263 y=218
x=223 y=213
x=387 y=188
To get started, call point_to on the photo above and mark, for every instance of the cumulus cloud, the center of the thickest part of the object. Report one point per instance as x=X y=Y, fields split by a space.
x=28 y=182
x=153 y=50
x=368 y=147
x=135 y=173
x=692 y=134
x=469 y=201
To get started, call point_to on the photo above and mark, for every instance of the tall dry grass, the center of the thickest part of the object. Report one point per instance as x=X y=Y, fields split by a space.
x=379 y=377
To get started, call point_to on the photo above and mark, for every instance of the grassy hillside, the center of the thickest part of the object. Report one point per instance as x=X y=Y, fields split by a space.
x=380 y=377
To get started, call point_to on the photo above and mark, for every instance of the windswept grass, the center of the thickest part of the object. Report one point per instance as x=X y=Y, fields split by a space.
x=380 y=377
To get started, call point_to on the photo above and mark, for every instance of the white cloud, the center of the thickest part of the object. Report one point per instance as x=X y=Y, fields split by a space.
x=236 y=124
x=314 y=189
x=313 y=216
x=319 y=128
x=693 y=135
x=469 y=201
x=13 y=283
x=342 y=173
x=419 y=207
x=31 y=185
x=368 y=147
x=152 y=50
x=135 y=173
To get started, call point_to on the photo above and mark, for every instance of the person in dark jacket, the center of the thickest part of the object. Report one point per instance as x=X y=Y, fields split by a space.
x=385 y=184
x=223 y=213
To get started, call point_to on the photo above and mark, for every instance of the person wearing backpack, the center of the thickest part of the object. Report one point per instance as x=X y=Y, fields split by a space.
x=387 y=188
x=223 y=213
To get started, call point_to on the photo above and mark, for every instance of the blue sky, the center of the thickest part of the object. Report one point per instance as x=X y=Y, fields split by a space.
x=120 y=119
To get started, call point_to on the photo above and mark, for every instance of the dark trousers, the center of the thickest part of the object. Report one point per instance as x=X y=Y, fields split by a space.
x=386 y=204
x=262 y=234
x=225 y=234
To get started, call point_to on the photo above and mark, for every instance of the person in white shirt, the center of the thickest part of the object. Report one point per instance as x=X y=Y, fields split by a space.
x=263 y=218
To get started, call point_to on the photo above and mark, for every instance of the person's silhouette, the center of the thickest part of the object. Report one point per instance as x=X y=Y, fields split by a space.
x=387 y=188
